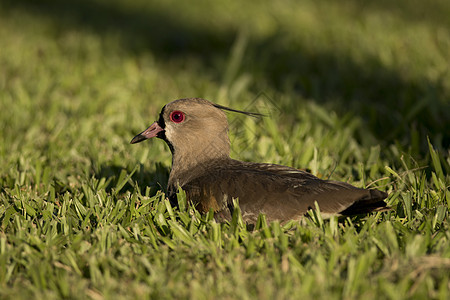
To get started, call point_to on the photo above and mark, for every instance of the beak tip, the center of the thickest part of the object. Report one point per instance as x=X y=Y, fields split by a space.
x=137 y=139
x=148 y=133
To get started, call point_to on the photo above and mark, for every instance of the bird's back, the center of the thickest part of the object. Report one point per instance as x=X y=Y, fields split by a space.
x=280 y=192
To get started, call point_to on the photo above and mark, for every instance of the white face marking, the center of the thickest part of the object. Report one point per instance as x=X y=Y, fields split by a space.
x=169 y=131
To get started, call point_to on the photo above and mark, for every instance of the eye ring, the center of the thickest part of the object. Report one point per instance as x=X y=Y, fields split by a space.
x=177 y=116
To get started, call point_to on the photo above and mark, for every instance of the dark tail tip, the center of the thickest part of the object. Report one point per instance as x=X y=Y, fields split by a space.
x=374 y=201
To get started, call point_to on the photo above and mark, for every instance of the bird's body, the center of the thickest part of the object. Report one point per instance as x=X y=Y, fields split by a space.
x=196 y=131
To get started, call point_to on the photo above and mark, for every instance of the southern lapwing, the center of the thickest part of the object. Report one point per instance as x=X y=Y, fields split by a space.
x=196 y=131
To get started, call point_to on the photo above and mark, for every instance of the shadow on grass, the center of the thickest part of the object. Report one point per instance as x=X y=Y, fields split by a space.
x=433 y=12
x=393 y=108
x=154 y=181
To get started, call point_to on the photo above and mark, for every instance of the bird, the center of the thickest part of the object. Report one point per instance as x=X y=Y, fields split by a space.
x=196 y=131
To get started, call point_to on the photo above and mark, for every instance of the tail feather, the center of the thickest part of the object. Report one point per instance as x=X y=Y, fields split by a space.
x=372 y=202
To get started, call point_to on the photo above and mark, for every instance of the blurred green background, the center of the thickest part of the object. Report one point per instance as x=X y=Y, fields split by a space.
x=353 y=90
x=385 y=63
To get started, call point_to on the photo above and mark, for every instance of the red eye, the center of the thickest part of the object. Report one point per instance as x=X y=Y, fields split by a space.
x=177 y=116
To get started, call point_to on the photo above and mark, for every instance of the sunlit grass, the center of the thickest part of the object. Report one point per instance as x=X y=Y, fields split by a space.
x=353 y=93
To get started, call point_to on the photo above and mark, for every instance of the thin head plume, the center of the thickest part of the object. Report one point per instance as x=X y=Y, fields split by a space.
x=251 y=114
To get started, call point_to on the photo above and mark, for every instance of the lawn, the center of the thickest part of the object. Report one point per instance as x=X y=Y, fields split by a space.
x=356 y=91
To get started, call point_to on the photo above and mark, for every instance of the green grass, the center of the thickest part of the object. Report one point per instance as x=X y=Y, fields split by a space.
x=356 y=91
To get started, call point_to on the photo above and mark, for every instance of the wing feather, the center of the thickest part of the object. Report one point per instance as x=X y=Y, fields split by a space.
x=282 y=193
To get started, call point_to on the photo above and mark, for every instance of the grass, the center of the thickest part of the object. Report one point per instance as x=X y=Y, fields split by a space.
x=357 y=92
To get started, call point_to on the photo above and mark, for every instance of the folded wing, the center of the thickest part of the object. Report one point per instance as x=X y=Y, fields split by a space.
x=281 y=193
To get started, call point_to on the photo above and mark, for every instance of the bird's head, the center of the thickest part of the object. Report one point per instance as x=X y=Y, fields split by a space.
x=195 y=130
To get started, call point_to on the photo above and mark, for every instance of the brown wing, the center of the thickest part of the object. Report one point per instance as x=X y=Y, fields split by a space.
x=282 y=193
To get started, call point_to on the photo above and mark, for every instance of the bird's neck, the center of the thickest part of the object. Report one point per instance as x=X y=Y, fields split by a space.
x=187 y=165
